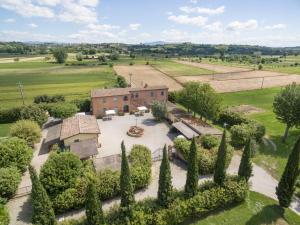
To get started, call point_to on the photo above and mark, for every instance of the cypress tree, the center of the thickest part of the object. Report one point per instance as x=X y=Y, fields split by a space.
x=127 y=196
x=245 y=168
x=164 y=194
x=220 y=170
x=43 y=213
x=192 y=176
x=93 y=207
x=286 y=186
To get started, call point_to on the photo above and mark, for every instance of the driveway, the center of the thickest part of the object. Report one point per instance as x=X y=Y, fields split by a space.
x=156 y=134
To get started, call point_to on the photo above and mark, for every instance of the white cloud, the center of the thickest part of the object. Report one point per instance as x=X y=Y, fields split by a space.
x=216 y=26
x=91 y=3
x=194 y=1
x=207 y=11
x=238 y=25
x=77 y=13
x=102 y=27
x=49 y=2
x=32 y=25
x=134 y=26
x=275 y=26
x=26 y=8
x=9 y=20
x=184 y=19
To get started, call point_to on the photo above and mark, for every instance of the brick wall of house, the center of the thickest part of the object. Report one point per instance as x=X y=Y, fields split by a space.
x=134 y=100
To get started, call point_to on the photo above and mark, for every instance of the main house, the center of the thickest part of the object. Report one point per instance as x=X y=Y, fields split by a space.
x=126 y=99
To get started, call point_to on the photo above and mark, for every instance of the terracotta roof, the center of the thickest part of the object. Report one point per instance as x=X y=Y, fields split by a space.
x=79 y=124
x=84 y=149
x=123 y=91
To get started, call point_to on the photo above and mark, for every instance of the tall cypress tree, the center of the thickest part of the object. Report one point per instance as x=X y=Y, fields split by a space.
x=43 y=212
x=286 y=186
x=93 y=207
x=127 y=196
x=245 y=168
x=164 y=194
x=192 y=176
x=220 y=170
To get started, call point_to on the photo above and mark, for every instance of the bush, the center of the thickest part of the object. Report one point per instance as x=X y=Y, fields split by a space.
x=121 y=82
x=10 y=178
x=34 y=113
x=231 y=118
x=159 y=110
x=62 y=111
x=48 y=99
x=207 y=158
x=84 y=105
x=15 y=152
x=60 y=172
x=27 y=130
x=10 y=115
x=4 y=216
x=209 y=141
x=60 y=55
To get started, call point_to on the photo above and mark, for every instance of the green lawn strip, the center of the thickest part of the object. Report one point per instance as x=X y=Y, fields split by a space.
x=177 y=69
x=257 y=209
x=272 y=160
x=30 y=64
x=4 y=129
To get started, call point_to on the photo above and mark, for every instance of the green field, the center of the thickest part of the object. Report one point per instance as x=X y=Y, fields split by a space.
x=257 y=209
x=47 y=78
x=177 y=69
x=272 y=160
x=283 y=66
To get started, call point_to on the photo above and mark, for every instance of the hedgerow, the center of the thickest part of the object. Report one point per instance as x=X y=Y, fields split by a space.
x=207 y=158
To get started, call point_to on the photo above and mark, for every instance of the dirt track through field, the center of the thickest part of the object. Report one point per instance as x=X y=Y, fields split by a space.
x=213 y=67
x=143 y=74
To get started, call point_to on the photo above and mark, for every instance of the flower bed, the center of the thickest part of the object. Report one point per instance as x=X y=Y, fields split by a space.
x=135 y=131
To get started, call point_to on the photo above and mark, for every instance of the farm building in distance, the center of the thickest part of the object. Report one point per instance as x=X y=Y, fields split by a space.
x=126 y=99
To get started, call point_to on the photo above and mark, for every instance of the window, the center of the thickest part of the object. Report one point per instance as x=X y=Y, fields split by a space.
x=136 y=95
x=132 y=95
x=115 y=99
x=162 y=93
x=152 y=94
x=103 y=100
x=76 y=140
x=125 y=98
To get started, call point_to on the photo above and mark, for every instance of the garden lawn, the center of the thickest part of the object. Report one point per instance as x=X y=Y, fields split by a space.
x=271 y=159
x=4 y=129
x=257 y=209
x=48 y=78
x=177 y=69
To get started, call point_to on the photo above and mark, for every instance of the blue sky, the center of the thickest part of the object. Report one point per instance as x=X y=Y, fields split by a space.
x=255 y=22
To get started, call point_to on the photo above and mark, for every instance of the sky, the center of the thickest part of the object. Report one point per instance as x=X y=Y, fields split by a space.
x=255 y=22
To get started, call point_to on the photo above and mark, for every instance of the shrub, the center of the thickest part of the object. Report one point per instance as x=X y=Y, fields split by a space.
x=159 y=110
x=62 y=111
x=60 y=55
x=10 y=178
x=4 y=216
x=27 y=130
x=15 y=152
x=231 y=118
x=34 y=113
x=60 y=172
x=207 y=158
x=84 y=105
x=48 y=99
x=10 y=115
x=209 y=141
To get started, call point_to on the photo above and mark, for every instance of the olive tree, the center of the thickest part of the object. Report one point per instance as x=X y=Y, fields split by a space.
x=60 y=55
x=159 y=110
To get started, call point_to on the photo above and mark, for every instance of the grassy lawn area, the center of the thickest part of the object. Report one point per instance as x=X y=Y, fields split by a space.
x=49 y=78
x=257 y=209
x=272 y=160
x=4 y=128
x=177 y=69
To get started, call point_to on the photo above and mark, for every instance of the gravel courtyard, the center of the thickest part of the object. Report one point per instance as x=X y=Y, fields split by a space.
x=156 y=134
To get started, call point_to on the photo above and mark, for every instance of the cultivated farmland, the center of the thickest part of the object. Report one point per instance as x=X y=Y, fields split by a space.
x=144 y=74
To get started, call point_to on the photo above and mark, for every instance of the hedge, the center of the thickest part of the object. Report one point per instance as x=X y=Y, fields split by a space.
x=60 y=110
x=231 y=118
x=207 y=158
x=4 y=216
x=10 y=115
x=209 y=198
x=10 y=178
x=107 y=181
